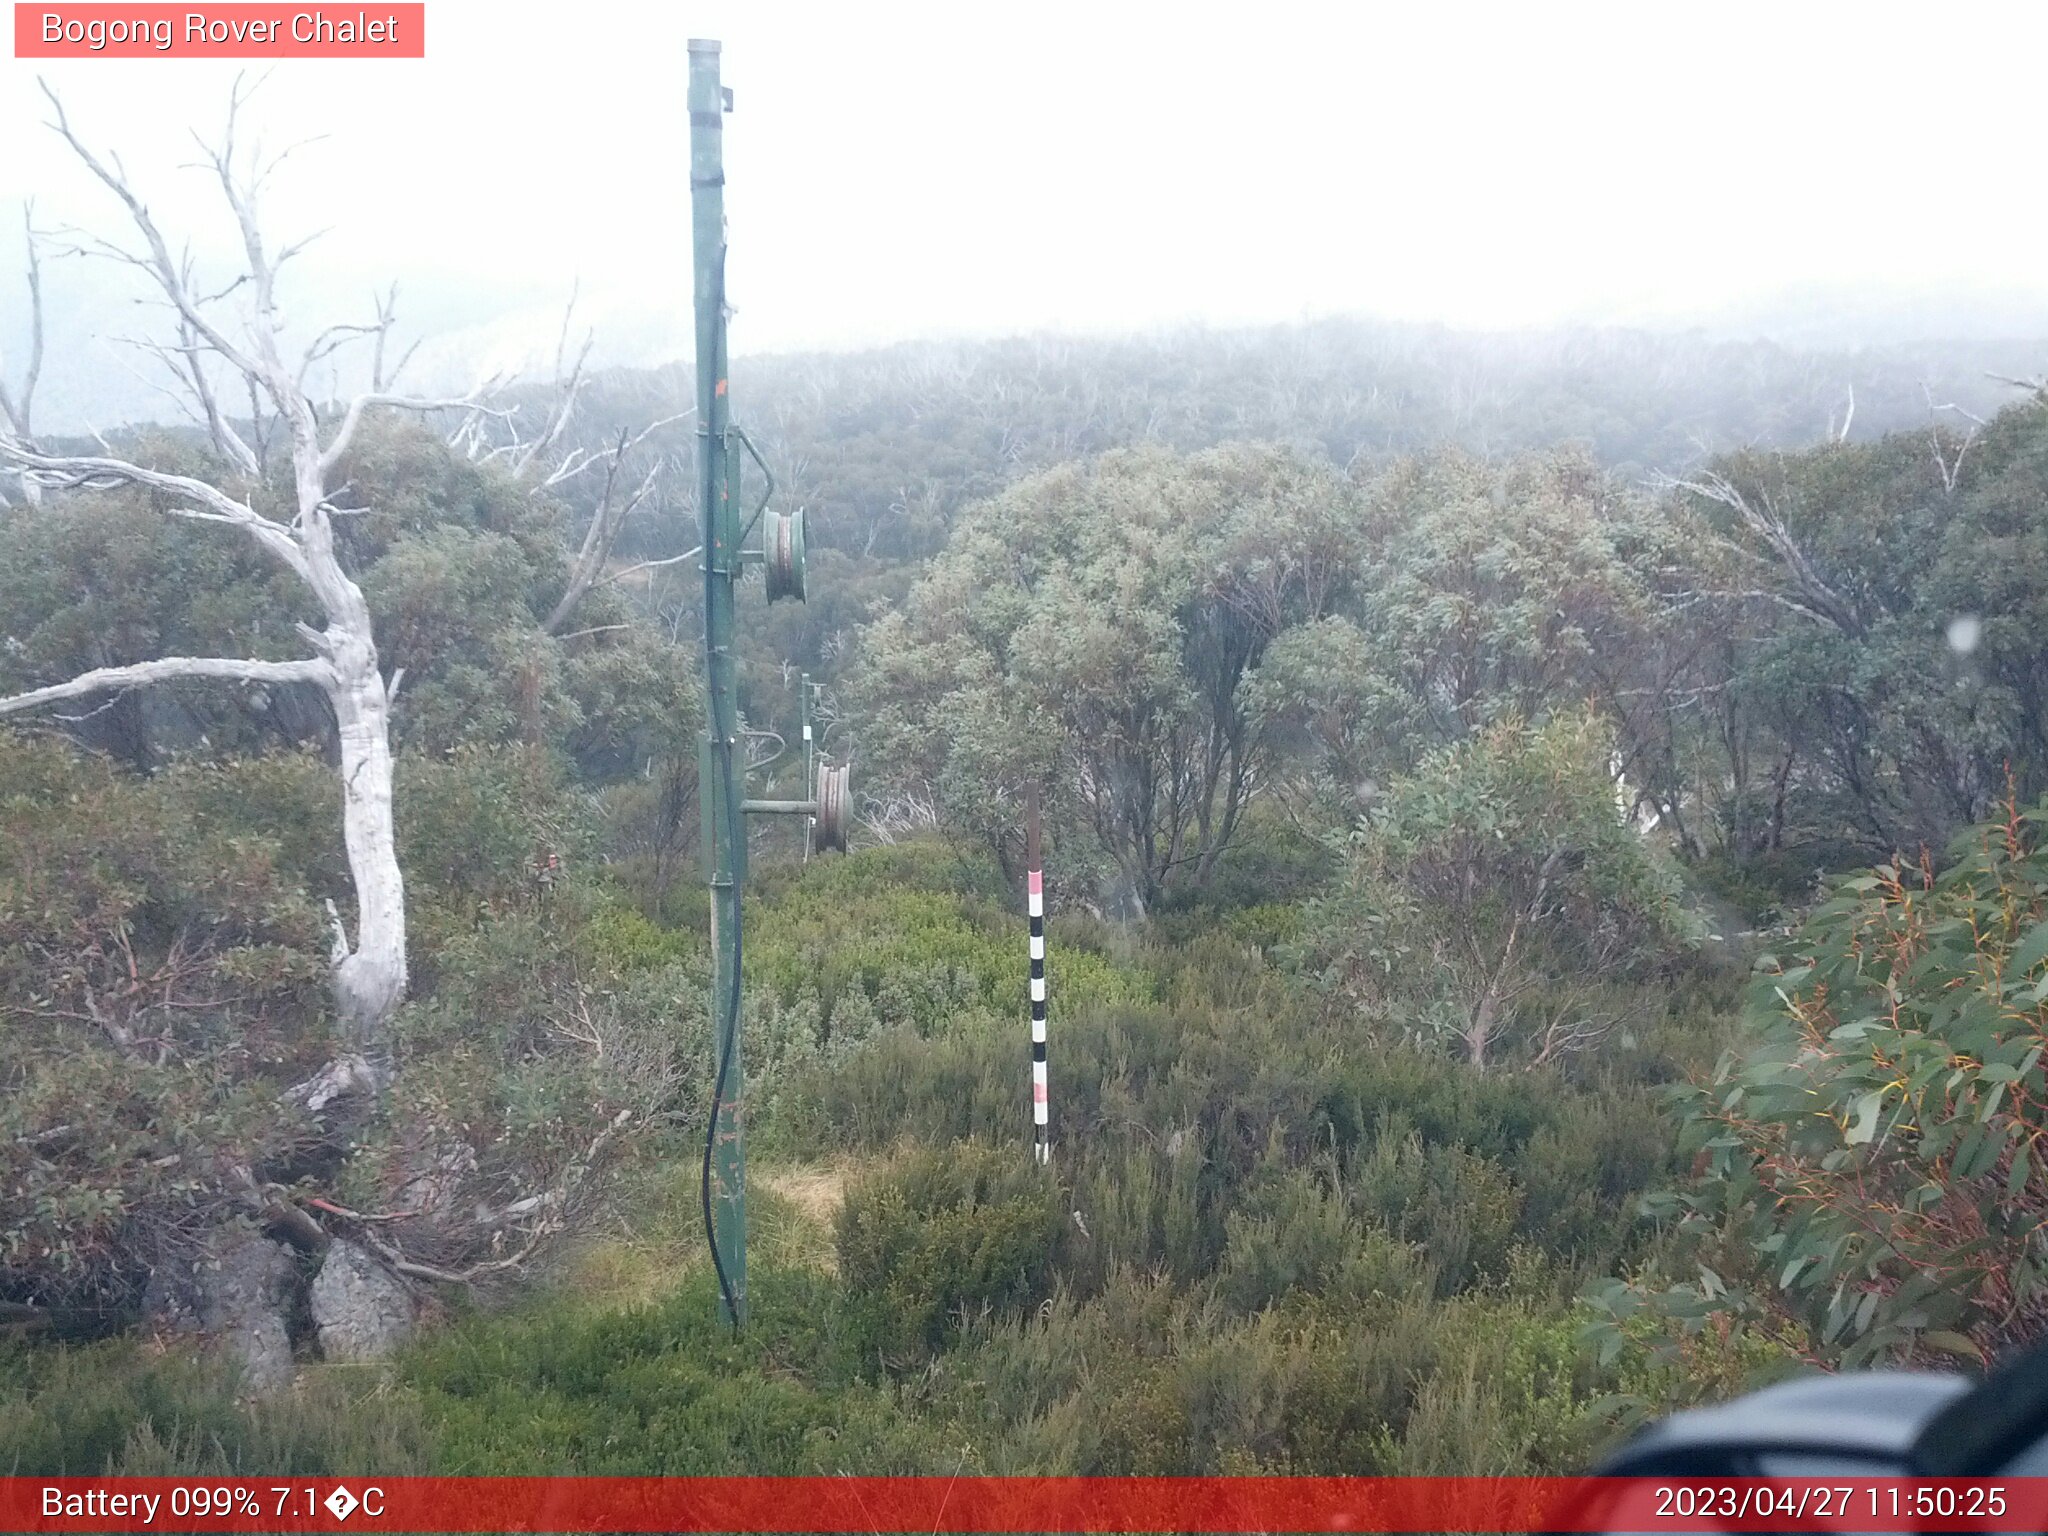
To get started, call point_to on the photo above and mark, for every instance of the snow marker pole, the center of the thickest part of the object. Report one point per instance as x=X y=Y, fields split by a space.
x=1041 y=1143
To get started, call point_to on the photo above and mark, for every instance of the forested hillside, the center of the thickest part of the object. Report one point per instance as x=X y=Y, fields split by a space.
x=887 y=446
x=1543 y=841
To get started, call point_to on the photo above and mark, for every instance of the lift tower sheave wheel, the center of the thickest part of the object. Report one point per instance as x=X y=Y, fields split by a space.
x=828 y=830
x=782 y=550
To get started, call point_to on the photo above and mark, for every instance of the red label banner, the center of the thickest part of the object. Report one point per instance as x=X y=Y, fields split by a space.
x=227 y=31
x=929 y=1505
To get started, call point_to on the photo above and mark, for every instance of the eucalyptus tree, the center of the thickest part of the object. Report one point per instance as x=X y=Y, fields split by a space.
x=1487 y=590
x=1094 y=627
x=1865 y=1176
x=1884 y=609
x=1492 y=900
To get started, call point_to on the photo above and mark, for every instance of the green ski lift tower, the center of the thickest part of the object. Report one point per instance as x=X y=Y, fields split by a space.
x=722 y=763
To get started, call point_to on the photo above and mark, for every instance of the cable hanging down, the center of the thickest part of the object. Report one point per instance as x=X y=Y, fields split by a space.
x=728 y=1043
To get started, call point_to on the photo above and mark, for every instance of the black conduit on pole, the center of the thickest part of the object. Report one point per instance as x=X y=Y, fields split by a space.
x=728 y=1045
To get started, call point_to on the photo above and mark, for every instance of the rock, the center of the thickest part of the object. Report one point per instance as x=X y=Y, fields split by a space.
x=264 y=1350
x=361 y=1309
x=238 y=1293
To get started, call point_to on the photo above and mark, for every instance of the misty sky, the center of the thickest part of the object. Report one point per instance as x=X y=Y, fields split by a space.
x=900 y=171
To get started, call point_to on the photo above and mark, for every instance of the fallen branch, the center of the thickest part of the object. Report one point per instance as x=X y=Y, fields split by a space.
x=552 y=1204
x=365 y=1216
x=234 y=669
x=391 y=1255
x=269 y=1203
x=346 y=1074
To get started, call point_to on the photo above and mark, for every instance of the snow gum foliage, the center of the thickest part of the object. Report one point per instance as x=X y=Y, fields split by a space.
x=1094 y=628
x=1484 y=590
x=1492 y=897
x=1867 y=1164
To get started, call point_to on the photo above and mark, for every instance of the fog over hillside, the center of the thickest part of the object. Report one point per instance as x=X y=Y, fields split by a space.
x=918 y=171
x=1894 y=358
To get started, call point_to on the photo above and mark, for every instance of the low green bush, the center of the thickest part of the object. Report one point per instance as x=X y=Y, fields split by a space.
x=943 y=1235
x=122 y=1408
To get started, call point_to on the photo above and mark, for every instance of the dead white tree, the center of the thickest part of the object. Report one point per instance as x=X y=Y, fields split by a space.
x=16 y=408
x=549 y=459
x=248 y=352
x=1760 y=516
x=614 y=506
x=1950 y=469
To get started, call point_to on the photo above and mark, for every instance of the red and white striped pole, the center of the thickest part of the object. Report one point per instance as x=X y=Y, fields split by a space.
x=1041 y=1143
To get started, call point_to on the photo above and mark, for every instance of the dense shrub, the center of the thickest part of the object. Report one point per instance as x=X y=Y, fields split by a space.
x=161 y=969
x=1267 y=1242
x=476 y=826
x=666 y=1391
x=941 y=1236
x=1866 y=1163
x=885 y=933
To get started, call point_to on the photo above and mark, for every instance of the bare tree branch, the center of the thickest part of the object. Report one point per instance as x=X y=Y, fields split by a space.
x=610 y=516
x=166 y=669
x=649 y=565
x=352 y=418
x=1812 y=594
x=158 y=264
x=387 y=318
x=1951 y=470
x=599 y=537
x=16 y=409
x=76 y=471
x=331 y=341
x=567 y=391
x=2037 y=386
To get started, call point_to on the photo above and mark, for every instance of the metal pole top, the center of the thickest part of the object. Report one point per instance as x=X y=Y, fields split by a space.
x=703 y=45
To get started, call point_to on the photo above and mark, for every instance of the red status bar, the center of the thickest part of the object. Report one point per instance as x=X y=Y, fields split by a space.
x=1020 y=1504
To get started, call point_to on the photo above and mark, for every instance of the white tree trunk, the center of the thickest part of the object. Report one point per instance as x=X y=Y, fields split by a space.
x=370 y=975
x=369 y=980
